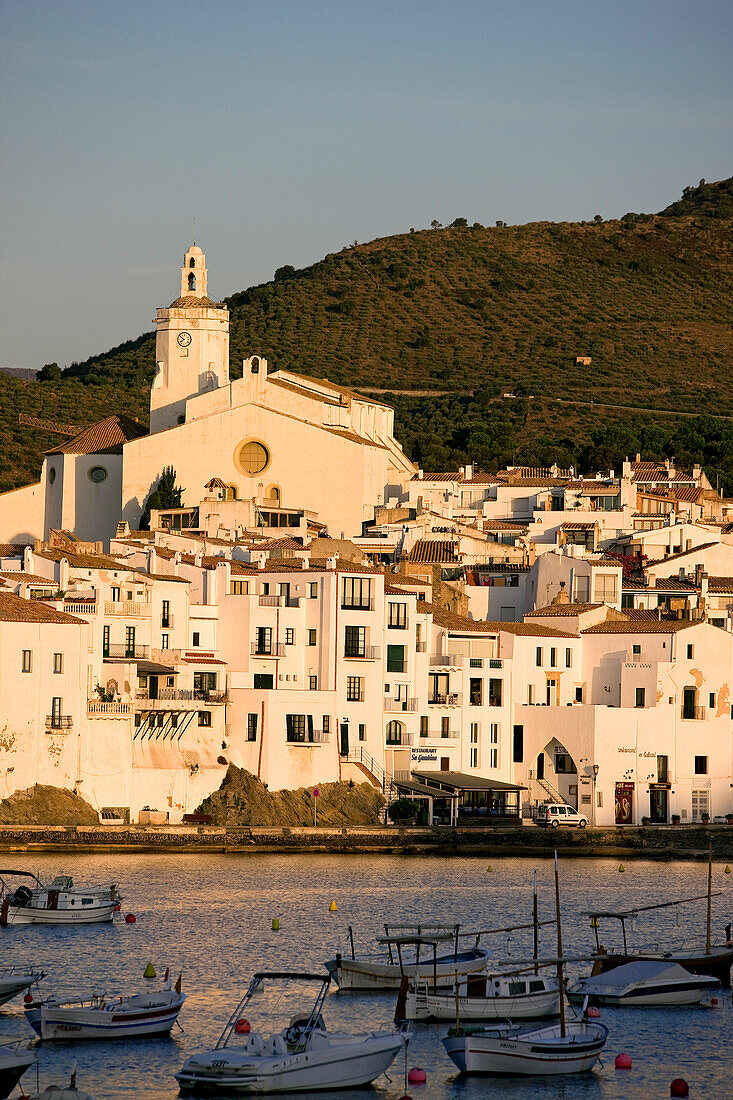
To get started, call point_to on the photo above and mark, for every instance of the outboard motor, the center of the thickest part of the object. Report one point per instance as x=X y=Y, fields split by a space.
x=22 y=897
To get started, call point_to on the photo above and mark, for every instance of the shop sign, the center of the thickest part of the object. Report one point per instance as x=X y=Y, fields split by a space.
x=624 y=803
x=424 y=755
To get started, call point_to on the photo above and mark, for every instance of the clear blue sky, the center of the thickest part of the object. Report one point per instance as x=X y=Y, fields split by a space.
x=289 y=128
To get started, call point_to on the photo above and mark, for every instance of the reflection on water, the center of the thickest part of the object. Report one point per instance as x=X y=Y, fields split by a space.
x=210 y=916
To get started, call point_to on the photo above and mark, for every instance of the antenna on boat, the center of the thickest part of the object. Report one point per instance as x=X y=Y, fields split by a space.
x=559 y=951
x=710 y=894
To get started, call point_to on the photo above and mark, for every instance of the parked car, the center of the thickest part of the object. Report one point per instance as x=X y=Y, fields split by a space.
x=554 y=814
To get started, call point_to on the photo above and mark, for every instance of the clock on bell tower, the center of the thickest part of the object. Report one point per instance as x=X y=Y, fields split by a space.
x=191 y=346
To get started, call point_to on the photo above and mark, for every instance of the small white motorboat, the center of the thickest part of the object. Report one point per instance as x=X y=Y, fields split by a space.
x=483 y=997
x=14 y=979
x=516 y=1051
x=15 y=1059
x=140 y=1016
x=303 y=1057
x=400 y=956
x=644 y=982
x=58 y=903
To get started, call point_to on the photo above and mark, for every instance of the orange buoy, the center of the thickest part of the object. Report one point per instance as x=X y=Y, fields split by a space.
x=679 y=1087
x=623 y=1061
x=242 y=1027
x=593 y=1013
x=130 y=918
x=417 y=1076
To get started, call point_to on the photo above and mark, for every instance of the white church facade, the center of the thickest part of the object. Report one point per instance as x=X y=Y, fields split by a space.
x=278 y=439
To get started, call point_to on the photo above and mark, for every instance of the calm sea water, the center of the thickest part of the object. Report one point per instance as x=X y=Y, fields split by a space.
x=210 y=917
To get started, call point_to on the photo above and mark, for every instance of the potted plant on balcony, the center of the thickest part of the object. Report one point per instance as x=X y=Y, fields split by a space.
x=705 y=818
x=729 y=819
x=676 y=819
x=646 y=821
x=403 y=811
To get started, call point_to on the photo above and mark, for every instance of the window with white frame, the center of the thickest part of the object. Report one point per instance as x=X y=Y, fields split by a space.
x=58 y=662
x=494 y=745
x=474 y=747
x=605 y=586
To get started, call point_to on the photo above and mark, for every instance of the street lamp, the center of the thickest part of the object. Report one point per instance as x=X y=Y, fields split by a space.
x=596 y=769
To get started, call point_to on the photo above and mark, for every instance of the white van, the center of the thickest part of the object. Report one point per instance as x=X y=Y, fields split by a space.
x=554 y=814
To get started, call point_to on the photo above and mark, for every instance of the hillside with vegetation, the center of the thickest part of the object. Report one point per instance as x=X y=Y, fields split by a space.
x=474 y=313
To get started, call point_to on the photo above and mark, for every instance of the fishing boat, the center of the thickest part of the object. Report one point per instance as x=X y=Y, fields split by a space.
x=644 y=983
x=304 y=1056
x=512 y=996
x=509 y=1049
x=15 y=1059
x=713 y=960
x=14 y=979
x=58 y=903
x=139 y=1016
x=400 y=955
x=566 y=1047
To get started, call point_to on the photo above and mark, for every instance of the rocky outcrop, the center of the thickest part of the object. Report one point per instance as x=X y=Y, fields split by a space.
x=41 y=805
x=243 y=800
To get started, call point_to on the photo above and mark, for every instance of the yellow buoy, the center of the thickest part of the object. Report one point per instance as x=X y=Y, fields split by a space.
x=149 y=971
x=621 y=868
x=727 y=869
x=489 y=868
x=276 y=924
x=333 y=907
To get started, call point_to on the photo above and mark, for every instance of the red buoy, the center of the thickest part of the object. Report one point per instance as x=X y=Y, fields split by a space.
x=28 y=999
x=130 y=918
x=714 y=1001
x=116 y=908
x=623 y=1061
x=242 y=1027
x=417 y=1076
x=593 y=1013
x=679 y=1087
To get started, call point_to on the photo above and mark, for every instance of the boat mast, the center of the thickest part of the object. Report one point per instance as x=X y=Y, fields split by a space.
x=710 y=894
x=559 y=951
x=535 y=921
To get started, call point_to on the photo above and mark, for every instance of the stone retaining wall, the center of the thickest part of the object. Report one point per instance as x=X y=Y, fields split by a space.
x=668 y=842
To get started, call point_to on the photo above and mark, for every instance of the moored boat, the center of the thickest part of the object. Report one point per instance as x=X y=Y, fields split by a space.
x=139 y=1016
x=485 y=997
x=383 y=970
x=58 y=903
x=572 y=1048
x=62 y=1092
x=15 y=1059
x=304 y=1056
x=14 y=979
x=644 y=982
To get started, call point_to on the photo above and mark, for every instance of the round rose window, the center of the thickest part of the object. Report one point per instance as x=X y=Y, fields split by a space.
x=252 y=458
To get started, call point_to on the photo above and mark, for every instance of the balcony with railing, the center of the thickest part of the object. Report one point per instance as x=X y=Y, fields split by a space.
x=403 y=739
x=98 y=709
x=273 y=649
x=130 y=609
x=126 y=652
x=81 y=607
x=451 y=699
x=63 y=722
x=692 y=714
x=312 y=737
x=359 y=605
x=447 y=660
x=363 y=653
x=397 y=705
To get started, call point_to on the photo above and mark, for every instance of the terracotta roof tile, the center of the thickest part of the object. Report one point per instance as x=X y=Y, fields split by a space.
x=560 y=610
x=14 y=609
x=195 y=301
x=437 y=477
x=434 y=551
x=105 y=437
x=640 y=626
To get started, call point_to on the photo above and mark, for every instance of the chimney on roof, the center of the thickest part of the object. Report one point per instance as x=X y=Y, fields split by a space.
x=469 y=471
x=331 y=563
x=199 y=556
x=420 y=475
x=638 y=457
x=304 y=563
x=152 y=560
x=682 y=573
x=28 y=563
x=64 y=574
x=562 y=596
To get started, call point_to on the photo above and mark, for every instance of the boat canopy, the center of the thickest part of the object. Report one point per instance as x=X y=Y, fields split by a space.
x=639 y=972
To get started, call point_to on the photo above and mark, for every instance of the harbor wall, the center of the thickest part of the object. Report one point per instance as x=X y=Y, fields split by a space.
x=656 y=842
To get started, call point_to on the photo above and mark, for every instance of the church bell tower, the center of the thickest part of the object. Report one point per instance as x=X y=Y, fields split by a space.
x=191 y=346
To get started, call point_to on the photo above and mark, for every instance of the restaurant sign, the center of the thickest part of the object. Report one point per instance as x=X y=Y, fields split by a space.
x=424 y=755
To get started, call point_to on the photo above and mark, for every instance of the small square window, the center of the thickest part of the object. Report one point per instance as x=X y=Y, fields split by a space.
x=313 y=683
x=636 y=649
x=27 y=665
x=313 y=590
x=204 y=717
x=690 y=652
x=640 y=697
x=312 y=634
x=196 y=638
x=538 y=656
x=711 y=700
x=58 y=662
x=701 y=765
x=362 y=732
x=289 y=635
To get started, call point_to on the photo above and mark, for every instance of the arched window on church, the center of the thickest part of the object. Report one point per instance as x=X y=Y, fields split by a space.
x=255 y=365
x=273 y=493
x=192 y=262
x=192 y=281
x=230 y=492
